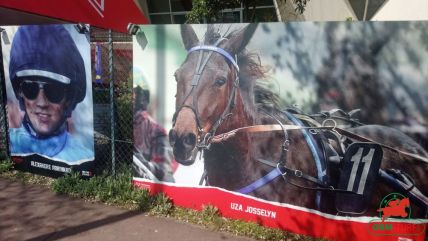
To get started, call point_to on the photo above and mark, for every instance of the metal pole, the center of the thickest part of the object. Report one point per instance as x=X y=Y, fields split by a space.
x=365 y=10
x=160 y=75
x=3 y=99
x=112 y=120
x=278 y=12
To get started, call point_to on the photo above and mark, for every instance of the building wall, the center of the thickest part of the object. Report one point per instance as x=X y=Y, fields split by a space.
x=286 y=11
x=340 y=10
x=403 y=10
x=328 y=10
x=317 y=10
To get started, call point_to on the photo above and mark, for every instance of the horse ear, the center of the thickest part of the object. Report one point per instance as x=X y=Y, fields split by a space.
x=189 y=36
x=240 y=39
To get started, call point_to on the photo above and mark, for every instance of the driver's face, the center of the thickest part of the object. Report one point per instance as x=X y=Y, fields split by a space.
x=44 y=115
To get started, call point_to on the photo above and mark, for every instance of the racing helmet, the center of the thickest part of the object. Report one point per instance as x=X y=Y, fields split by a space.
x=141 y=89
x=47 y=52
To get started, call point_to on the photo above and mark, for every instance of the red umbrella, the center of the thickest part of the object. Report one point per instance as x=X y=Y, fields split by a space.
x=115 y=15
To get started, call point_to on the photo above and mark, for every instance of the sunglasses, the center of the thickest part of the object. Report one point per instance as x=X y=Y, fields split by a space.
x=54 y=92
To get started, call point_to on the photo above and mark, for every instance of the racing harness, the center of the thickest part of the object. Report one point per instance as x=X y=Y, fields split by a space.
x=362 y=153
x=359 y=160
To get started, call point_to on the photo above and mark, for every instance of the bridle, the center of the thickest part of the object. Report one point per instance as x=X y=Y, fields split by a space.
x=205 y=136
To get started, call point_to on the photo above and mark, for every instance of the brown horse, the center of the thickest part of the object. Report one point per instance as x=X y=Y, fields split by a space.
x=218 y=91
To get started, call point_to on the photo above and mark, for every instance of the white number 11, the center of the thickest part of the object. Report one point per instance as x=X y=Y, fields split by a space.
x=356 y=159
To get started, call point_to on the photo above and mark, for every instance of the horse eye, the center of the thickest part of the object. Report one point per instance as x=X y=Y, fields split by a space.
x=220 y=81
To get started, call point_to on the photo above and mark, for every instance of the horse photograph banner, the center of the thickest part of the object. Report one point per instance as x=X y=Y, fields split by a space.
x=315 y=128
x=47 y=74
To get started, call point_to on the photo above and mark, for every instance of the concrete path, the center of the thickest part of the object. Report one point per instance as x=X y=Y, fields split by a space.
x=31 y=212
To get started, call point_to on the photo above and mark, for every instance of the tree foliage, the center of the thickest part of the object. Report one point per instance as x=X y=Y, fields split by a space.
x=300 y=5
x=203 y=9
x=210 y=10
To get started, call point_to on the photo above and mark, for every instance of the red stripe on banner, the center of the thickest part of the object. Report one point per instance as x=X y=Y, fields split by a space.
x=287 y=217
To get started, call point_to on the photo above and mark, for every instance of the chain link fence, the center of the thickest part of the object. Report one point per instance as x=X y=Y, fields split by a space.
x=112 y=101
x=3 y=124
x=112 y=98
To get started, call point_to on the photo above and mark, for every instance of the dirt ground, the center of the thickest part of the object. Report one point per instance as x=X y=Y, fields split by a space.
x=31 y=212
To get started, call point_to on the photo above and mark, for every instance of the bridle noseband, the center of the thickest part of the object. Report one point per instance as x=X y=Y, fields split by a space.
x=204 y=137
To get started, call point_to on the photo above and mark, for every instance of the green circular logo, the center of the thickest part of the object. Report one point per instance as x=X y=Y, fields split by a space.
x=395 y=205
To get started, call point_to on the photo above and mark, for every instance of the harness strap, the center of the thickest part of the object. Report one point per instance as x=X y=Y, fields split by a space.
x=286 y=142
x=275 y=127
x=315 y=150
x=308 y=119
x=413 y=192
x=198 y=71
x=263 y=128
x=230 y=104
x=335 y=137
x=294 y=172
x=256 y=128
x=174 y=117
x=365 y=139
x=195 y=81
x=276 y=172
x=261 y=181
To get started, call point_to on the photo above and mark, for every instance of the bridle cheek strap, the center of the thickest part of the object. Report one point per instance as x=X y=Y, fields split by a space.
x=204 y=143
x=230 y=104
x=195 y=81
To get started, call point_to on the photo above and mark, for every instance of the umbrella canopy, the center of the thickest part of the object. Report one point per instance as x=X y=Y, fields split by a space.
x=115 y=15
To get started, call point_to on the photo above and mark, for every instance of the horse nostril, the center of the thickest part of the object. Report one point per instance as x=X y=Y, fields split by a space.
x=190 y=139
x=172 y=137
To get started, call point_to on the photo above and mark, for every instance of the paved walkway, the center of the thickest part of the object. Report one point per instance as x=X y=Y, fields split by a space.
x=31 y=212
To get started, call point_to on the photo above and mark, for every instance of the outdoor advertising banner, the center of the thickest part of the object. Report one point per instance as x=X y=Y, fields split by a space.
x=47 y=74
x=315 y=128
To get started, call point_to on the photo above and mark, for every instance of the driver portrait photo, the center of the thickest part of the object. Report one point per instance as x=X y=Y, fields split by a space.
x=48 y=79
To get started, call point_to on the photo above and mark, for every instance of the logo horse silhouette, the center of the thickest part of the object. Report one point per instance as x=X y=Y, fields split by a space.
x=395 y=208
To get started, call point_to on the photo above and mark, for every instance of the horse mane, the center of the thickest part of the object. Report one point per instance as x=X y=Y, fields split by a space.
x=256 y=95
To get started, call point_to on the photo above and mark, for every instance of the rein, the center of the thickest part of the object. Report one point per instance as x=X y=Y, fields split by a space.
x=275 y=127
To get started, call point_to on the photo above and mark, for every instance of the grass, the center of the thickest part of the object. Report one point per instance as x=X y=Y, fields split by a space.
x=118 y=190
x=210 y=218
x=7 y=171
x=5 y=166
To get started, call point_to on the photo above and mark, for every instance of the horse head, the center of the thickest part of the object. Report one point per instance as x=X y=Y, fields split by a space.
x=207 y=82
